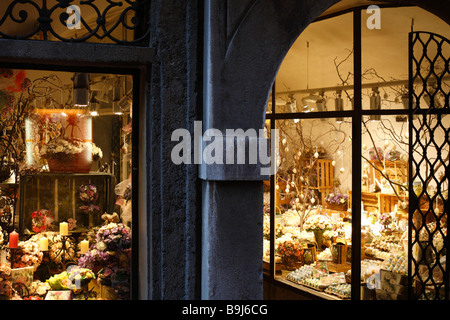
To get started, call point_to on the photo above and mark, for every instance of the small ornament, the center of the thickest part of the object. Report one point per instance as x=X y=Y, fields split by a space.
x=333 y=163
x=342 y=169
x=313 y=200
x=316 y=155
x=364 y=146
x=436 y=211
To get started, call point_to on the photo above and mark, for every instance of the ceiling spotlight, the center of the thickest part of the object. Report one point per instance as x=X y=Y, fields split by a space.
x=339 y=106
x=375 y=104
x=309 y=102
x=81 y=89
x=321 y=102
x=94 y=107
x=292 y=104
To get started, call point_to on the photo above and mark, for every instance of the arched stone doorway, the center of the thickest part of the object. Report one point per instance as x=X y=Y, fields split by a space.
x=245 y=44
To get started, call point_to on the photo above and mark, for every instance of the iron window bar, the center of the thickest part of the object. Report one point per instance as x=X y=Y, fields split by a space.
x=50 y=20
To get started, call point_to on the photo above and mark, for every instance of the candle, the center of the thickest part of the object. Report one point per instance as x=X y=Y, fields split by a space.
x=84 y=246
x=13 y=239
x=43 y=244
x=64 y=229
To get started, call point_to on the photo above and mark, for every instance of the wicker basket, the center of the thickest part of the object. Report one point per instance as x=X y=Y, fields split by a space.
x=80 y=163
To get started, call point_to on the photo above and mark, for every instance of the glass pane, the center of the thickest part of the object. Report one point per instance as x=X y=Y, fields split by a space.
x=266 y=215
x=384 y=214
x=312 y=196
x=318 y=68
x=66 y=144
x=385 y=53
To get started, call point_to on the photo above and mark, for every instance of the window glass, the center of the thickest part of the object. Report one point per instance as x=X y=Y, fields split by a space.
x=66 y=183
x=312 y=203
x=384 y=206
x=318 y=68
x=385 y=55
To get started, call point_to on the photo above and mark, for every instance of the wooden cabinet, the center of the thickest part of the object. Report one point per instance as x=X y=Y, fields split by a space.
x=58 y=193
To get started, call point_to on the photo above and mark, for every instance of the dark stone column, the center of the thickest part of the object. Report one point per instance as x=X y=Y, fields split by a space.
x=245 y=42
x=174 y=191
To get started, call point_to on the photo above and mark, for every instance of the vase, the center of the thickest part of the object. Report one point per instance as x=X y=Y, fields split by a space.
x=291 y=262
x=318 y=235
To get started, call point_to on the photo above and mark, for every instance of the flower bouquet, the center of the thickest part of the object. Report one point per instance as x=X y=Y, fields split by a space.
x=290 y=252
x=317 y=224
x=109 y=257
x=41 y=220
x=78 y=278
x=88 y=194
x=28 y=255
x=97 y=153
x=337 y=201
x=59 y=281
x=67 y=155
x=385 y=220
x=114 y=237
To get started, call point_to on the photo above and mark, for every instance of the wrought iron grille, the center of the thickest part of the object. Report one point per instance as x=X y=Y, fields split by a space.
x=429 y=164
x=106 y=21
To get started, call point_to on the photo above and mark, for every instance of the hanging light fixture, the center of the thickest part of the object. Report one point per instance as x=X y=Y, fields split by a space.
x=339 y=105
x=117 y=94
x=375 y=104
x=81 y=89
x=309 y=102
x=94 y=107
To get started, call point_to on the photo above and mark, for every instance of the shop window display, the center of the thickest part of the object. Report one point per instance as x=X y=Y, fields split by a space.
x=66 y=187
x=310 y=209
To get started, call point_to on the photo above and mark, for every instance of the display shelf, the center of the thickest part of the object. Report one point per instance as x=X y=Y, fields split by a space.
x=314 y=292
x=395 y=171
x=58 y=193
x=377 y=201
x=321 y=175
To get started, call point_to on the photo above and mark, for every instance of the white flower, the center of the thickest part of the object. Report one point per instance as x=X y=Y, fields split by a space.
x=101 y=246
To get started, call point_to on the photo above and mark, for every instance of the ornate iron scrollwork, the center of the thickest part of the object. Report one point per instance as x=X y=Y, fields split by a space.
x=106 y=21
x=430 y=168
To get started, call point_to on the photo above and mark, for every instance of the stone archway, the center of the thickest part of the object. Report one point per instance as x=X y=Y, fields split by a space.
x=245 y=43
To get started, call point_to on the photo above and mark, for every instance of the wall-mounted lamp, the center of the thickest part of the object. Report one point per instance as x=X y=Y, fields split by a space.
x=81 y=89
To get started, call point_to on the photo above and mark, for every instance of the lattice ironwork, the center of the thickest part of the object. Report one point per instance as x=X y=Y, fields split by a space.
x=429 y=161
x=106 y=21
